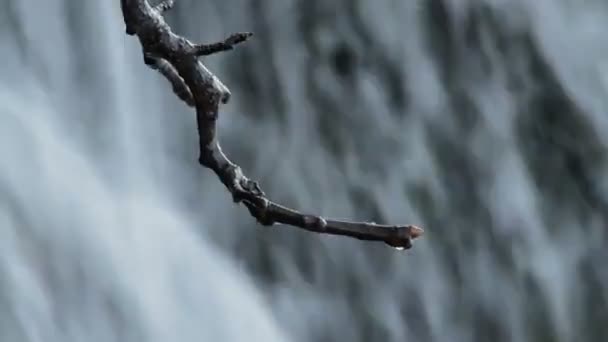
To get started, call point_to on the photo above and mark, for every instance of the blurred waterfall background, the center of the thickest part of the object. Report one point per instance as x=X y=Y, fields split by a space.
x=483 y=121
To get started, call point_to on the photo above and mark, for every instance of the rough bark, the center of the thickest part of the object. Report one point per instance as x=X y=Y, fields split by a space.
x=177 y=59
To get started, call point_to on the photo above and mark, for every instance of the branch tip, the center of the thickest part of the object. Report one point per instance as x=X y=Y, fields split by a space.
x=404 y=236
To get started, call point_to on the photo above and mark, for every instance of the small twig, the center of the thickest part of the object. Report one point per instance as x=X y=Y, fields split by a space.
x=228 y=44
x=166 y=69
x=176 y=58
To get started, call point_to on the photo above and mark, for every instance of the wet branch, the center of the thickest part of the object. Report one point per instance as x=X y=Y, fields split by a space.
x=177 y=59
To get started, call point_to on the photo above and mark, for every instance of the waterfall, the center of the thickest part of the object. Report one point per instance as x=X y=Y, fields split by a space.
x=482 y=121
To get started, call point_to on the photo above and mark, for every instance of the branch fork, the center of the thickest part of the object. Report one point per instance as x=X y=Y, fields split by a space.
x=177 y=59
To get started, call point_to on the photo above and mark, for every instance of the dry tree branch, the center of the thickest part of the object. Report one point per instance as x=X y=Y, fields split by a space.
x=177 y=59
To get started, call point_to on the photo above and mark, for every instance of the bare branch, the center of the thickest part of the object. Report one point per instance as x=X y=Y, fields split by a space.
x=228 y=44
x=173 y=56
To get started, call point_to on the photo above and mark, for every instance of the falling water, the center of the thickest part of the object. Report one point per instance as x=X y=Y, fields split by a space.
x=483 y=121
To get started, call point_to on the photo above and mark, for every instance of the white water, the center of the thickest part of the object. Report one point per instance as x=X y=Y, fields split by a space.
x=110 y=232
x=94 y=256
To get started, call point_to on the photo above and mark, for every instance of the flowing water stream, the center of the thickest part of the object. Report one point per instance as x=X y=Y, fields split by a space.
x=483 y=121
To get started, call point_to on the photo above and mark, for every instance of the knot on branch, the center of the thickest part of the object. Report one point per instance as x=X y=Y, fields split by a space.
x=315 y=223
x=261 y=213
x=243 y=188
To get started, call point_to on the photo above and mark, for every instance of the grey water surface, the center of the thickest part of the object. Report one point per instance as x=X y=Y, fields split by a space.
x=483 y=121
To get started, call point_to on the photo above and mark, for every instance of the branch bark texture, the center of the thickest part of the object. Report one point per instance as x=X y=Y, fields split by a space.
x=178 y=60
